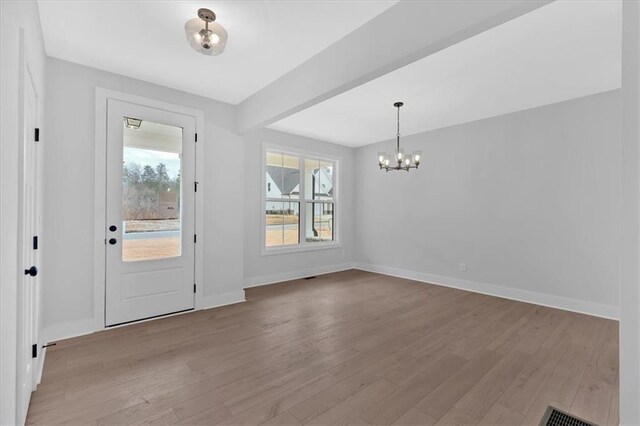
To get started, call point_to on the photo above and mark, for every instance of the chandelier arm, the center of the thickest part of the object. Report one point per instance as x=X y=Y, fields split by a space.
x=405 y=168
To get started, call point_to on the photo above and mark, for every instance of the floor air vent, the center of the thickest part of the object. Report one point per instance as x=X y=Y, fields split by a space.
x=555 y=417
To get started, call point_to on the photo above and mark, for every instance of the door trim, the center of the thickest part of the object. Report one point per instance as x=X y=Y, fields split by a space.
x=100 y=184
x=25 y=138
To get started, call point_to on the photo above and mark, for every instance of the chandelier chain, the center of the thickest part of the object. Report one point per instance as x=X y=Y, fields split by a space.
x=398 y=131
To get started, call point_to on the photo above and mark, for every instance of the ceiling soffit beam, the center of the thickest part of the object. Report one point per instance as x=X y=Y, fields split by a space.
x=404 y=33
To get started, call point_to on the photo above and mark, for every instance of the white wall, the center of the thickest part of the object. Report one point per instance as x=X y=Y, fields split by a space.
x=629 y=266
x=529 y=200
x=69 y=193
x=259 y=269
x=15 y=16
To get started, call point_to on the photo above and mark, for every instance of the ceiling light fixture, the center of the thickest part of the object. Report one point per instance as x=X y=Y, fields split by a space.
x=132 y=123
x=398 y=161
x=210 y=40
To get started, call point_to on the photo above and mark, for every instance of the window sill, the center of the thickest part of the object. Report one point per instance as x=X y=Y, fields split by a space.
x=299 y=249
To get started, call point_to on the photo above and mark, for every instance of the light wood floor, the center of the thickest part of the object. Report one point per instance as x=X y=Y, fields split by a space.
x=345 y=348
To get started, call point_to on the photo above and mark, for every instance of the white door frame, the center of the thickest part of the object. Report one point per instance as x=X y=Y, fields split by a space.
x=100 y=182
x=27 y=136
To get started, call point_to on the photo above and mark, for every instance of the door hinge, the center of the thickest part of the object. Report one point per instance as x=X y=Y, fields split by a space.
x=36 y=135
x=34 y=351
x=195 y=238
x=195 y=186
x=196 y=137
x=35 y=242
x=194 y=287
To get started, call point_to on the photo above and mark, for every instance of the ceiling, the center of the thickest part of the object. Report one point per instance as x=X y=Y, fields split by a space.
x=146 y=40
x=561 y=51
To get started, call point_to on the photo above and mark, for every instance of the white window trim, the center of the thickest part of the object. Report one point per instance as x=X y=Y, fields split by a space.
x=303 y=246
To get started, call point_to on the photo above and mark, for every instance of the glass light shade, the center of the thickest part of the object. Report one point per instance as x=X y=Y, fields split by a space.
x=399 y=155
x=407 y=160
x=417 y=155
x=193 y=29
x=381 y=157
x=132 y=123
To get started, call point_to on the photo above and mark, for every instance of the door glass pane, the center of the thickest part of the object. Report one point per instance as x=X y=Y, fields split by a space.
x=151 y=190
x=319 y=221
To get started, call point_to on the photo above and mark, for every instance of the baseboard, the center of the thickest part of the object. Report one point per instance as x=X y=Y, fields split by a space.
x=223 y=299
x=71 y=329
x=553 y=301
x=67 y=330
x=43 y=353
x=295 y=275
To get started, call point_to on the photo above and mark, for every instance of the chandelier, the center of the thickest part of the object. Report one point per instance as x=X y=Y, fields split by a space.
x=398 y=161
x=204 y=35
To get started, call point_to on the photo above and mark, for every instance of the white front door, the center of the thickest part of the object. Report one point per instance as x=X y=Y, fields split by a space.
x=28 y=286
x=150 y=212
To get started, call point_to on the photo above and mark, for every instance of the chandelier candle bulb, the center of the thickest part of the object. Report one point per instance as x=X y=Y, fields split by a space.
x=416 y=157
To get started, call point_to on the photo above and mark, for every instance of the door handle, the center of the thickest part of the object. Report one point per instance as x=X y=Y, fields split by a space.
x=112 y=241
x=33 y=271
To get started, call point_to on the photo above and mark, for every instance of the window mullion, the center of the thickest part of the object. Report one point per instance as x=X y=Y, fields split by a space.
x=302 y=223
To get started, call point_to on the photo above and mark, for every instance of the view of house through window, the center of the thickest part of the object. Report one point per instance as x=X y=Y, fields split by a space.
x=151 y=192
x=283 y=186
x=287 y=212
x=319 y=195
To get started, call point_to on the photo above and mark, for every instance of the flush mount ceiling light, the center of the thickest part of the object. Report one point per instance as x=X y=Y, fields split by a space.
x=398 y=161
x=204 y=35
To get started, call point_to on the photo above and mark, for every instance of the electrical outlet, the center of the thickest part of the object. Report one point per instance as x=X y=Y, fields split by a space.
x=463 y=267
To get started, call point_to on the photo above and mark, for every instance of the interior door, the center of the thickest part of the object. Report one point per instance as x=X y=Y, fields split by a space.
x=149 y=235
x=28 y=285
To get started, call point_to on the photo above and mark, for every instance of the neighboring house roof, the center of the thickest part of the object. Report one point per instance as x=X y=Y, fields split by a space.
x=288 y=180
x=285 y=178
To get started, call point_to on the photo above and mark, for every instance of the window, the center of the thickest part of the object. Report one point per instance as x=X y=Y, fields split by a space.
x=300 y=201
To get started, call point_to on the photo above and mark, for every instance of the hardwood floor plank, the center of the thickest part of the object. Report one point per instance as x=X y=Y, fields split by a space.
x=284 y=419
x=594 y=396
x=522 y=392
x=445 y=396
x=499 y=415
x=324 y=401
x=495 y=382
x=351 y=408
x=455 y=417
x=398 y=403
x=415 y=417
x=275 y=404
x=211 y=416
